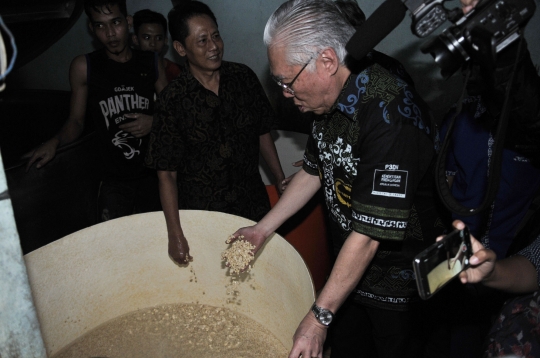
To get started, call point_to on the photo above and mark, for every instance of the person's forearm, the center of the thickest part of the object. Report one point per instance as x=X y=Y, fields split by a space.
x=270 y=156
x=71 y=130
x=352 y=261
x=450 y=180
x=73 y=127
x=515 y=274
x=302 y=188
x=168 y=194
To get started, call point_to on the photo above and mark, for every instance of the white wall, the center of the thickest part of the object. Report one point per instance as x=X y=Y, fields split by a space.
x=241 y=24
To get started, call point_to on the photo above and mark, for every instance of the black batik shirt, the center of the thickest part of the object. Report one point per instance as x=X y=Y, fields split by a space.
x=212 y=142
x=373 y=152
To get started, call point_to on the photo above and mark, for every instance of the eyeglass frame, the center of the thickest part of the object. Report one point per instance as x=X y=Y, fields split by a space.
x=288 y=86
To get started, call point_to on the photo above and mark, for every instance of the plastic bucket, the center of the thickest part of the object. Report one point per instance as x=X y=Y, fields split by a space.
x=110 y=269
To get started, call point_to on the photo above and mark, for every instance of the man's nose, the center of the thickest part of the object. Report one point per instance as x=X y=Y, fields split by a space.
x=213 y=45
x=287 y=94
x=110 y=31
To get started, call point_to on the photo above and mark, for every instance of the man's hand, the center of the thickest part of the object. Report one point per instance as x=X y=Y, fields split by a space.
x=250 y=234
x=482 y=262
x=468 y=5
x=287 y=180
x=42 y=154
x=140 y=127
x=279 y=184
x=309 y=338
x=179 y=250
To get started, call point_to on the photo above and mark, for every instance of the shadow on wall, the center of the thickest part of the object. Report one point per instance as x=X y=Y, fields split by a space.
x=439 y=94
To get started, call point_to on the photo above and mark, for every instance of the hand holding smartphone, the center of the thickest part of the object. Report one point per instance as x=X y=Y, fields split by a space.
x=441 y=262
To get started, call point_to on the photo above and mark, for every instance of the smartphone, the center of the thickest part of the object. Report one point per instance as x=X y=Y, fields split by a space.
x=441 y=262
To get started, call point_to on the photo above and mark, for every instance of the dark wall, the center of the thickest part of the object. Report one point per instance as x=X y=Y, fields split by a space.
x=61 y=197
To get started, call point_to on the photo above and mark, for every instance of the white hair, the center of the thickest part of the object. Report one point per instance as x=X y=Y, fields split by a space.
x=307 y=27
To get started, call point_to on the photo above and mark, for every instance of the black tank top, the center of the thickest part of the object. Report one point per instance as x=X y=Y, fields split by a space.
x=115 y=89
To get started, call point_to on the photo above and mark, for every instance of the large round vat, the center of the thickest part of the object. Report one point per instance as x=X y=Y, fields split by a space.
x=110 y=269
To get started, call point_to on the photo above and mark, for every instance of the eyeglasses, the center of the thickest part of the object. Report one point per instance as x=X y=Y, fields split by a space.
x=287 y=86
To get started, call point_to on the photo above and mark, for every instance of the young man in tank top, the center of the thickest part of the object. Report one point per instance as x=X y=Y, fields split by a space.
x=115 y=87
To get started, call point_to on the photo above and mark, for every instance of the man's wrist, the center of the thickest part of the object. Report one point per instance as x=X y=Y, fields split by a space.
x=176 y=236
x=263 y=229
x=490 y=276
x=314 y=321
x=324 y=316
x=54 y=140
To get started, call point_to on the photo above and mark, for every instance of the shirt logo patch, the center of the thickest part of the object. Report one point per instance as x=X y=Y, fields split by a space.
x=392 y=183
x=124 y=89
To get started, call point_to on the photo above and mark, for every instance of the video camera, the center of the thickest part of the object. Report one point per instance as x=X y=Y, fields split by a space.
x=478 y=36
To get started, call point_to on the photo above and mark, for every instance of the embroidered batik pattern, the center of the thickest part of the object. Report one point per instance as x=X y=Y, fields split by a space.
x=515 y=332
x=337 y=164
x=380 y=222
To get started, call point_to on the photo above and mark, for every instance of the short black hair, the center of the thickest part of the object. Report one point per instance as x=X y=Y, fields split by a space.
x=147 y=16
x=351 y=11
x=104 y=7
x=181 y=13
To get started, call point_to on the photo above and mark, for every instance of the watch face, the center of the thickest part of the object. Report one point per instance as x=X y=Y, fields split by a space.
x=325 y=317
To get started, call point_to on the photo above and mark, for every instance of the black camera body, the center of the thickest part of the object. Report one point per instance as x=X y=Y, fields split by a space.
x=426 y=16
x=478 y=36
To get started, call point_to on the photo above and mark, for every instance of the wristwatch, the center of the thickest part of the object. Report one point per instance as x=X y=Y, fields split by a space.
x=323 y=315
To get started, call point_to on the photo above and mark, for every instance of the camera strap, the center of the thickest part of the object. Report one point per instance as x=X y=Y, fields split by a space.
x=495 y=162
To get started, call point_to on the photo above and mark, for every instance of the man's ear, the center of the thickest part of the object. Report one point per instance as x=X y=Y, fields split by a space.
x=90 y=26
x=330 y=60
x=179 y=48
x=129 y=19
x=135 y=39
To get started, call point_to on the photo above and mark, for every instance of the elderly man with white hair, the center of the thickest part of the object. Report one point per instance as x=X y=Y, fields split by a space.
x=370 y=150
